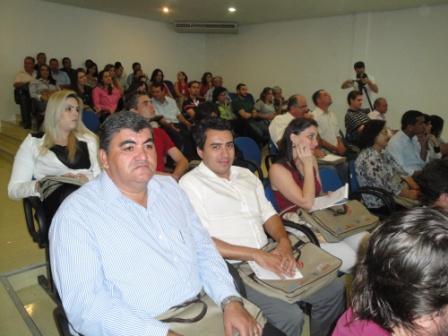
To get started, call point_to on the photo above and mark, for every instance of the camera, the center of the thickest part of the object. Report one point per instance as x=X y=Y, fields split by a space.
x=359 y=80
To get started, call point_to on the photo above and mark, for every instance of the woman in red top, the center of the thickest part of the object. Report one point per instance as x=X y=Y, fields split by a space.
x=296 y=182
x=181 y=87
x=206 y=83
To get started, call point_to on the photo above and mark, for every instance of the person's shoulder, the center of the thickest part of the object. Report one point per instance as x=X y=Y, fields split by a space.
x=191 y=177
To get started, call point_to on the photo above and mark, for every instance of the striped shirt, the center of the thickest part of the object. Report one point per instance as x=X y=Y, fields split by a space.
x=117 y=265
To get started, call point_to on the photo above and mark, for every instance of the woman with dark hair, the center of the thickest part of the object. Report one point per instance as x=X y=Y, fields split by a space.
x=157 y=76
x=265 y=105
x=105 y=96
x=430 y=141
x=92 y=74
x=140 y=85
x=401 y=283
x=206 y=83
x=376 y=168
x=82 y=89
x=296 y=182
x=220 y=97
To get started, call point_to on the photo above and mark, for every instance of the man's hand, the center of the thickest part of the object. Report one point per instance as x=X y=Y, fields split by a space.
x=172 y=333
x=340 y=148
x=270 y=261
x=318 y=153
x=284 y=250
x=237 y=318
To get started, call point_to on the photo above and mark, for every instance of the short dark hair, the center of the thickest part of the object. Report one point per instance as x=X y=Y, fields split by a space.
x=239 y=86
x=217 y=91
x=53 y=60
x=118 y=64
x=403 y=274
x=359 y=64
x=433 y=181
x=370 y=131
x=192 y=82
x=159 y=85
x=437 y=125
x=29 y=58
x=132 y=100
x=118 y=121
x=200 y=131
x=410 y=118
x=352 y=95
x=285 y=146
x=205 y=110
x=135 y=64
x=316 y=96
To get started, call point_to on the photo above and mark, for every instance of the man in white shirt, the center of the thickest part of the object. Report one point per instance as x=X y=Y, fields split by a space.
x=297 y=108
x=231 y=204
x=380 y=109
x=328 y=123
x=61 y=78
x=363 y=83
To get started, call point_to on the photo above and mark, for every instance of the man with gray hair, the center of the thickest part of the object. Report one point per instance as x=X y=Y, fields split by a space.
x=128 y=245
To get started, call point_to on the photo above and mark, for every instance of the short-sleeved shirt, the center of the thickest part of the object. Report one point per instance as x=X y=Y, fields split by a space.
x=328 y=125
x=242 y=103
x=406 y=151
x=163 y=144
x=263 y=108
x=168 y=109
x=348 y=326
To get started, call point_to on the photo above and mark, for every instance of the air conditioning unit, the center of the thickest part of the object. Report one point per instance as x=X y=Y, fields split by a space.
x=206 y=27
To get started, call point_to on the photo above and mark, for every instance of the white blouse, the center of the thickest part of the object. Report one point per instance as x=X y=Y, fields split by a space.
x=30 y=165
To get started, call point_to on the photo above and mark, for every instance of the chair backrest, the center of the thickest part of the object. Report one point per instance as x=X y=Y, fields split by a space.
x=36 y=220
x=329 y=178
x=353 y=181
x=249 y=149
x=91 y=121
x=269 y=193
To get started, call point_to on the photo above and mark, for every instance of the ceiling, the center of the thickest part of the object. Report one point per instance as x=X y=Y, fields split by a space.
x=248 y=11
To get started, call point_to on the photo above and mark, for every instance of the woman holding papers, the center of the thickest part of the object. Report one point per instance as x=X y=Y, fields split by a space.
x=296 y=182
x=376 y=168
x=67 y=148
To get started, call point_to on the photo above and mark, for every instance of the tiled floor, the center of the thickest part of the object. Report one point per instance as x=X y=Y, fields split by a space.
x=25 y=309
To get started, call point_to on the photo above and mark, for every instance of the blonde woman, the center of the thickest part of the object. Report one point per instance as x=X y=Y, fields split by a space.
x=66 y=148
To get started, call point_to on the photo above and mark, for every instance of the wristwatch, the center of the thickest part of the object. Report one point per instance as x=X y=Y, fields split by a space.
x=231 y=298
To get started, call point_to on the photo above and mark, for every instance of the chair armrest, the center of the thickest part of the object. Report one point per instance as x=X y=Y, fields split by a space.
x=304 y=229
x=36 y=220
x=382 y=194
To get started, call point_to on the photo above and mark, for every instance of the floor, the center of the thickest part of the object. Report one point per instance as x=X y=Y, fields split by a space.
x=25 y=308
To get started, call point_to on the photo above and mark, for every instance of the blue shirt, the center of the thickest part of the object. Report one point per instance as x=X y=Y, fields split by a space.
x=406 y=152
x=117 y=265
x=61 y=78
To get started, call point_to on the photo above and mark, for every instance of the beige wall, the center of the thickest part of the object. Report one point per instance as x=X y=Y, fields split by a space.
x=29 y=26
x=404 y=50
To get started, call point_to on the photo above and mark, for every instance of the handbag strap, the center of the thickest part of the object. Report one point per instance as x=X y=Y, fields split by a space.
x=198 y=317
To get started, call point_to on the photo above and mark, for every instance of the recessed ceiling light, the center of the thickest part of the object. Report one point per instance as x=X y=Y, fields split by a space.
x=166 y=10
x=232 y=9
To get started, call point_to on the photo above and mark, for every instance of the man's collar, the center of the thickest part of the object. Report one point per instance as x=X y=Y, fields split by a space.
x=322 y=110
x=209 y=173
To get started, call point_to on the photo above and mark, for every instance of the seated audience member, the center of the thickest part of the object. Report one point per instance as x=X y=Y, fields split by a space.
x=192 y=102
x=92 y=75
x=376 y=168
x=21 y=90
x=436 y=130
x=67 y=68
x=136 y=67
x=433 y=182
x=121 y=76
x=105 y=96
x=140 y=84
x=432 y=143
x=41 y=59
x=231 y=205
x=83 y=90
x=204 y=111
x=380 y=109
x=279 y=101
x=61 y=78
x=355 y=118
x=297 y=108
x=265 y=105
x=296 y=182
x=66 y=148
x=41 y=88
x=141 y=103
x=173 y=121
x=329 y=136
x=404 y=145
x=157 y=76
x=101 y=232
x=248 y=122
x=206 y=83
x=217 y=82
x=401 y=284
x=115 y=82
x=181 y=87
x=220 y=95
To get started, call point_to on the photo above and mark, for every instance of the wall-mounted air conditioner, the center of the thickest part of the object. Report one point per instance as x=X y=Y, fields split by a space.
x=206 y=27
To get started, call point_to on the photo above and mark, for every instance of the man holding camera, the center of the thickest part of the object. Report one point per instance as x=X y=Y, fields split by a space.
x=363 y=83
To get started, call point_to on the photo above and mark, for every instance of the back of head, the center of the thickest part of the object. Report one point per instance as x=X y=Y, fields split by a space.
x=437 y=125
x=200 y=130
x=404 y=274
x=117 y=122
x=206 y=110
x=359 y=65
x=285 y=146
x=410 y=118
x=370 y=131
x=433 y=181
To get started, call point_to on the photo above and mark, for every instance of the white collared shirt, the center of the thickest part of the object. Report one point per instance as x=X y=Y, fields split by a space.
x=375 y=115
x=233 y=210
x=168 y=109
x=328 y=125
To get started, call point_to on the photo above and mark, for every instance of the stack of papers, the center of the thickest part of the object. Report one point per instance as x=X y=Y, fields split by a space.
x=337 y=197
x=331 y=159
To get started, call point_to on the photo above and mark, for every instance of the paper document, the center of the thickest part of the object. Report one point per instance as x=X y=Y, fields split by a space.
x=332 y=158
x=337 y=197
x=263 y=273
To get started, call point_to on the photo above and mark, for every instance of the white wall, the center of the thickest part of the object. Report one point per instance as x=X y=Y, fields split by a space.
x=404 y=50
x=30 y=26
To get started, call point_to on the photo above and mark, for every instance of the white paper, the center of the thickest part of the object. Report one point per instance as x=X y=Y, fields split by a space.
x=331 y=158
x=263 y=273
x=337 y=197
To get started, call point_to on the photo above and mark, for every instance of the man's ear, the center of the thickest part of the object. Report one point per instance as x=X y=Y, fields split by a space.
x=200 y=153
x=103 y=159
